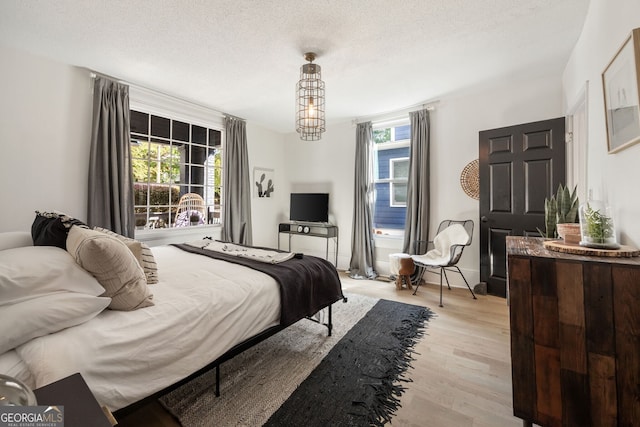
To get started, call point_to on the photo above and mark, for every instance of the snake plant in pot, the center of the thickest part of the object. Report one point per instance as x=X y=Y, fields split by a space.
x=561 y=215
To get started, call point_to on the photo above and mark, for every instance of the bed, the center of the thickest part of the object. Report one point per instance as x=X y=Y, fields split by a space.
x=201 y=312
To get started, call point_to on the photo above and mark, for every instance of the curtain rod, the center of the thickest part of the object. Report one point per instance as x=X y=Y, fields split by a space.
x=397 y=114
x=234 y=117
x=95 y=74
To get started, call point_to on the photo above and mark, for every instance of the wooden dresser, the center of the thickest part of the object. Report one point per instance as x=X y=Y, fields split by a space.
x=575 y=336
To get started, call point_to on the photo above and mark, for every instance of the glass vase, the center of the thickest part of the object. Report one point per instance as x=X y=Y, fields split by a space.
x=14 y=392
x=597 y=228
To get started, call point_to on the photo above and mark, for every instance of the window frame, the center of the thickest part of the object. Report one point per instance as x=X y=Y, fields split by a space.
x=179 y=110
x=394 y=181
x=381 y=229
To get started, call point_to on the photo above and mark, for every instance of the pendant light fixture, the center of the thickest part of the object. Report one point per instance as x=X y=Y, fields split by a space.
x=310 y=123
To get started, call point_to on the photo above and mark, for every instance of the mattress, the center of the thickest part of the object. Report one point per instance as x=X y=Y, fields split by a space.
x=203 y=307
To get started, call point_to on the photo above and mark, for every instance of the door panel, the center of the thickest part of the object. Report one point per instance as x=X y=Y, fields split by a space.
x=501 y=179
x=535 y=193
x=497 y=242
x=520 y=166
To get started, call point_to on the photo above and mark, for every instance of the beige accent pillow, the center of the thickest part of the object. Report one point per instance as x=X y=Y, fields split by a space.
x=141 y=251
x=113 y=264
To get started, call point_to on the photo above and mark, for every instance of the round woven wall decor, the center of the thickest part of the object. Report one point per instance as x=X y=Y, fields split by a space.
x=470 y=180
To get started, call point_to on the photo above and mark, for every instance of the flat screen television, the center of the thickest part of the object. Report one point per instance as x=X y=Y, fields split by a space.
x=309 y=207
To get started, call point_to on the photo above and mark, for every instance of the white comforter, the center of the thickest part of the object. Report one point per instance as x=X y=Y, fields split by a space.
x=13 y=366
x=202 y=308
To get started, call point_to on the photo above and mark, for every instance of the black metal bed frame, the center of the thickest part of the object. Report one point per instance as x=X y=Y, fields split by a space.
x=228 y=355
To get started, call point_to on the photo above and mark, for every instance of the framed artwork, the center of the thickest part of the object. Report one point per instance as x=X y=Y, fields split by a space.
x=621 y=96
x=263 y=182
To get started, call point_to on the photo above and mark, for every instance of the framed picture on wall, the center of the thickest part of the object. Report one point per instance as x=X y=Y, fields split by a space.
x=621 y=95
x=263 y=182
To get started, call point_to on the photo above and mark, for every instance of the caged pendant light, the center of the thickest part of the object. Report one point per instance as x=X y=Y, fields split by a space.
x=310 y=123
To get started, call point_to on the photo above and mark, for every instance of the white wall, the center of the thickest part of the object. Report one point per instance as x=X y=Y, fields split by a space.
x=45 y=126
x=45 y=113
x=327 y=165
x=458 y=119
x=324 y=166
x=266 y=150
x=611 y=177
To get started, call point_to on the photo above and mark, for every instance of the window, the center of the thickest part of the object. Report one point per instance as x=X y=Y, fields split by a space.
x=398 y=181
x=391 y=150
x=171 y=158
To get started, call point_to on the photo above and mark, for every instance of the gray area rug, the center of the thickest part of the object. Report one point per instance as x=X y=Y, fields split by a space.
x=371 y=339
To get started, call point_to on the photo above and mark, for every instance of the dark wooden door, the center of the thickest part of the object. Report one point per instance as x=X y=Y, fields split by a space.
x=519 y=167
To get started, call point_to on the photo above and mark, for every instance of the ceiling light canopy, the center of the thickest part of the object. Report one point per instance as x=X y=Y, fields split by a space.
x=310 y=122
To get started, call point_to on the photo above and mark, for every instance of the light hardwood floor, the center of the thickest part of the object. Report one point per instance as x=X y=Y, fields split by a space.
x=462 y=372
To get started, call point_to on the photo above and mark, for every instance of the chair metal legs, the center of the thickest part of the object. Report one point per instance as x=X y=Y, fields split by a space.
x=463 y=278
x=445 y=276
x=443 y=270
x=423 y=270
x=419 y=277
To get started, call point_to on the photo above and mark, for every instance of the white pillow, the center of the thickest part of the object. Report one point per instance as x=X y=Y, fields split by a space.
x=34 y=271
x=141 y=251
x=113 y=264
x=15 y=239
x=44 y=315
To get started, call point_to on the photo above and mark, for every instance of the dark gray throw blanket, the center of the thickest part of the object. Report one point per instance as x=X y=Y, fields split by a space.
x=307 y=284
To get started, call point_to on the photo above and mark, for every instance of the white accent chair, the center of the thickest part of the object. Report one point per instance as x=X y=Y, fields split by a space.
x=444 y=252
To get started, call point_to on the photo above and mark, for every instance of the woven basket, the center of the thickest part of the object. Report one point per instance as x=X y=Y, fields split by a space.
x=470 y=179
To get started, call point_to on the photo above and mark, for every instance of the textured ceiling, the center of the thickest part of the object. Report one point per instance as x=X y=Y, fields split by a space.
x=243 y=56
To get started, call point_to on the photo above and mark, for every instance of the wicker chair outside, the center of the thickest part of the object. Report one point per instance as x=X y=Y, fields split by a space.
x=190 y=205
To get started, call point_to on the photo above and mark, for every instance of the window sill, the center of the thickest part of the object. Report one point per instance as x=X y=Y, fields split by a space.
x=388 y=241
x=161 y=236
x=393 y=233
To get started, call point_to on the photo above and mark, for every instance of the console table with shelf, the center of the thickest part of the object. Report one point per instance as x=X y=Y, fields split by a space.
x=575 y=336
x=325 y=231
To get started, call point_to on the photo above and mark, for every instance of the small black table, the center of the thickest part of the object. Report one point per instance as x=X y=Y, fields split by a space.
x=81 y=409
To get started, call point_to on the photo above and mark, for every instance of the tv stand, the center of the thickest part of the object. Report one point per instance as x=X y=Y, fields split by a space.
x=314 y=229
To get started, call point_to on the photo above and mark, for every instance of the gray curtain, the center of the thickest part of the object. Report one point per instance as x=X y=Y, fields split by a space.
x=361 y=265
x=418 y=191
x=110 y=175
x=236 y=222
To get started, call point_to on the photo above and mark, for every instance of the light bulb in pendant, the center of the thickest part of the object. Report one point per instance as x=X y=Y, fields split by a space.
x=312 y=108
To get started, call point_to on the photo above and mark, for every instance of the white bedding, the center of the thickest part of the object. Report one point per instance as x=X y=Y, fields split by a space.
x=12 y=365
x=203 y=307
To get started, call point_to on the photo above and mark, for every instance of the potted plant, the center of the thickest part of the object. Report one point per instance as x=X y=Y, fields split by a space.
x=597 y=227
x=550 y=212
x=567 y=221
x=561 y=215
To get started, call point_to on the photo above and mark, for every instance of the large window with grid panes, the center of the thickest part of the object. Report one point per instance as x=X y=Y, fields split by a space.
x=177 y=171
x=391 y=157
